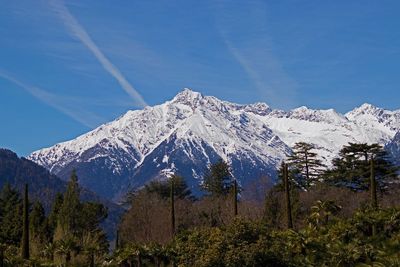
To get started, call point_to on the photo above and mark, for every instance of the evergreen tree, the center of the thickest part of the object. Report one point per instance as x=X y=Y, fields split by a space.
x=10 y=217
x=117 y=242
x=37 y=219
x=275 y=211
x=373 y=193
x=91 y=215
x=296 y=181
x=25 y=229
x=372 y=186
x=181 y=189
x=352 y=168
x=305 y=162
x=76 y=220
x=69 y=215
x=162 y=187
x=218 y=179
x=286 y=183
x=53 y=215
x=38 y=228
x=172 y=208
x=235 y=198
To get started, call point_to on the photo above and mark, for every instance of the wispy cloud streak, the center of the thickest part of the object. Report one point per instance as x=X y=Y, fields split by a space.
x=266 y=73
x=65 y=106
x=77 y=30
x=253 y=51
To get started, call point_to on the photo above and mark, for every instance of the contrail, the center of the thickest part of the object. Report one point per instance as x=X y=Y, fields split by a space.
x=254 y=75
x=254 y=54
x=79 y=32
x=85 y=118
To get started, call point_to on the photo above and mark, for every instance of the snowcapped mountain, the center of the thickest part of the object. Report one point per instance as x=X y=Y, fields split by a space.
x=330 y=130
x=193 y=130
x=393 y=147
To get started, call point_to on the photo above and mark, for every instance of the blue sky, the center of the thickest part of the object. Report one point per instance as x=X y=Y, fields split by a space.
x=66 y=67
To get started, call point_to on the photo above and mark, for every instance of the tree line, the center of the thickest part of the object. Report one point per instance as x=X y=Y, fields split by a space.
x=69 y=233
x=346 y=214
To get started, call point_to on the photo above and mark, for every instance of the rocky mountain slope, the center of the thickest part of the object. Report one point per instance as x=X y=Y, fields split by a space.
x=393 y=147
x=187 y=133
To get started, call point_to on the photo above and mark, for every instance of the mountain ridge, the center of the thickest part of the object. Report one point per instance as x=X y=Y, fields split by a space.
x=117 y=155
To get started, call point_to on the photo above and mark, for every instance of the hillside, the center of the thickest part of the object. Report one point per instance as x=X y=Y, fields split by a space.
x=44 y=186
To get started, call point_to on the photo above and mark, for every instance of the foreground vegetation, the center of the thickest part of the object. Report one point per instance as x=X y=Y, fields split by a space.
x=70 y=233
x=348 y=215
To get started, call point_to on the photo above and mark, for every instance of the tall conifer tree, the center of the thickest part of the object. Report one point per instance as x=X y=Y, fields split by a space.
x=374 y=198
x=352 y=168
x=69 y=214
x=235 y=198
x=172 y=202
x=11 y=214
x=304 y=160
x=286 y=182
x=25 y=230
x=218 y=179
x=38 y=229
x=163 y=188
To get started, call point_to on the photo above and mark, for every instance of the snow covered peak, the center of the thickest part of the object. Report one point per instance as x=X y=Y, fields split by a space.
x=365 y=108
x=187 y=96
x=191 y=130
x=368 y=114
x=368 y=106
x=301 y=109
x=326 y=116
x=258 y=108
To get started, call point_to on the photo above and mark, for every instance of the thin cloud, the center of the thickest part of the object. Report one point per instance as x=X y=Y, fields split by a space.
x=252 y=50
x=76 y=30
x=266 y=74
x=62 y=104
